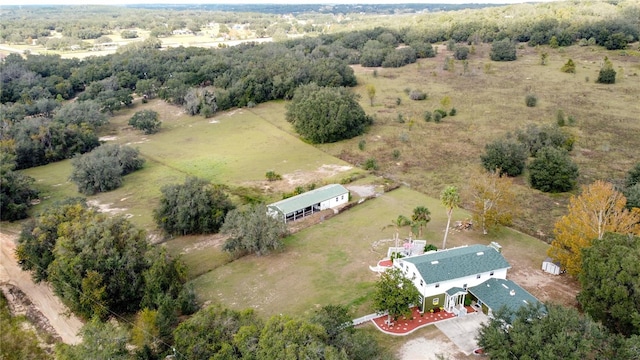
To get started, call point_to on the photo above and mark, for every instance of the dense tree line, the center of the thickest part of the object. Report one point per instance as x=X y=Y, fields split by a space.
x=98 y=264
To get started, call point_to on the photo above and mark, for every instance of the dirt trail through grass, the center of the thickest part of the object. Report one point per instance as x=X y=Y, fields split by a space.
x=41 y=295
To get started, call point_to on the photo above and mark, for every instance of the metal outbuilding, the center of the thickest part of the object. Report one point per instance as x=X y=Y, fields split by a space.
x=310 y=202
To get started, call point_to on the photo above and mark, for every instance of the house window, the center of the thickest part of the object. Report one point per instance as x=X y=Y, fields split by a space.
x=336 y=199
x=342 y=197
x=436 y=301
x=421 y=283
x=491 y=273
x=414 y=275
x=478 y=276
x=464 y=286
x=437 y=285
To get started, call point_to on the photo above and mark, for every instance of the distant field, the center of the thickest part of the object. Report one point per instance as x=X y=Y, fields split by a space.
x=489 y=99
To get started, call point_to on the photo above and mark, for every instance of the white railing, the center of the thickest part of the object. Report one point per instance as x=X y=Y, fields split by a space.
x=364 y=319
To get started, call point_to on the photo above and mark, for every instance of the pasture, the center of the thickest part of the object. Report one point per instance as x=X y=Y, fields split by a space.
x=235 y=149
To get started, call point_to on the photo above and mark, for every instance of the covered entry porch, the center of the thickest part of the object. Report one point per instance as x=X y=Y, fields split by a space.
x=454 y=301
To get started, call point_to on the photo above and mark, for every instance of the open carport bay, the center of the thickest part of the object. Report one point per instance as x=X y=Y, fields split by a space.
x=462 y=330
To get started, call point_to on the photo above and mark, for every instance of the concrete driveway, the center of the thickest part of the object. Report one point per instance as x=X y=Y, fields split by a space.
x=463 y=330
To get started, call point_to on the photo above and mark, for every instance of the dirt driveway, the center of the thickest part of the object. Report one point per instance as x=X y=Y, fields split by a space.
x=41 y=295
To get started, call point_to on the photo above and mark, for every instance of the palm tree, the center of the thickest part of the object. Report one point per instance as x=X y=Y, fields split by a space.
x=420 y=219
x=450 y=199
x=399 y=222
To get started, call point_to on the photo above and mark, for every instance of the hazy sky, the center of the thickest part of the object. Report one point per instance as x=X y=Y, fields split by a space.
x=120 y=2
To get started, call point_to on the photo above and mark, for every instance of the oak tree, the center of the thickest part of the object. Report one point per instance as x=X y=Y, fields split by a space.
x=326 y=114
x=195 y=207
x=253 y=231
x=394 y=293
x=609 y=280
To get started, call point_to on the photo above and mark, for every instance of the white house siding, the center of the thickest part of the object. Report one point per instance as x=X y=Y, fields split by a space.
x=427 y=290
x=336 y=201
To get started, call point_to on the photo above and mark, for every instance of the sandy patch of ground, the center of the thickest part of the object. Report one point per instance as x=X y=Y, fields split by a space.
x=41 y=295
x=142 y=141
x=108 y=138
x=216 y=240
x=429 y=349
x=108 y=209
x=363 y=190
x=557 y=289
x=300 y=177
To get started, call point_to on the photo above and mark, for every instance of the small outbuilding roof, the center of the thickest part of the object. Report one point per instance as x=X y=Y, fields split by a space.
x=309 y=198
x=496 y=293
x=457 y=262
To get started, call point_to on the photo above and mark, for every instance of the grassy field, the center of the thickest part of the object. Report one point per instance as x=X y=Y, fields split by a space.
x=489 y=99
x=235 y=149
x=329 y=262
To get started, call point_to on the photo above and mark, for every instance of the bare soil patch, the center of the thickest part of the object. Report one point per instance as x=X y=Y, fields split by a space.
x=44 y=305
x=557 y=289
x=430 y=348
x=300 y=178
x=108 y=209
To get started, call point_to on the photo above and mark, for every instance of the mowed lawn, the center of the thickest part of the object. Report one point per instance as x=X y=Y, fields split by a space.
x=329 y=262
x=234 y=148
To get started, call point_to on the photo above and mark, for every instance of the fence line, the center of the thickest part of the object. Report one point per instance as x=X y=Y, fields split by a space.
x=364 y=319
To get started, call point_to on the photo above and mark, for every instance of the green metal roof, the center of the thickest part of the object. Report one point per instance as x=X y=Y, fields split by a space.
x=458 y=262
x=455 y=290
x=496 y=293
x=309 y=198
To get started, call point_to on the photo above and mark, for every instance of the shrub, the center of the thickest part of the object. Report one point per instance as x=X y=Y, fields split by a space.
x=427 y=116
x=102 y=169
x=400 y=119
x=437 y=116
x=396 y=154
x=461 y=53
x=361 y=144
x=503 y=50
x=145 y=120
x=569 y=67
x=398 y=101
x=272 y=176
x=607 y=75
x=417 y=95
x=506 y=156
x=443 y=113
x=453 y=112
x=371 y=164
x=535 y=137
x=560 y=118
x=553 y=171
x=531 y=100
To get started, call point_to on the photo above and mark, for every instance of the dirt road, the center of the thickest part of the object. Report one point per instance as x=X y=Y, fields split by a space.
x=40 y=295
